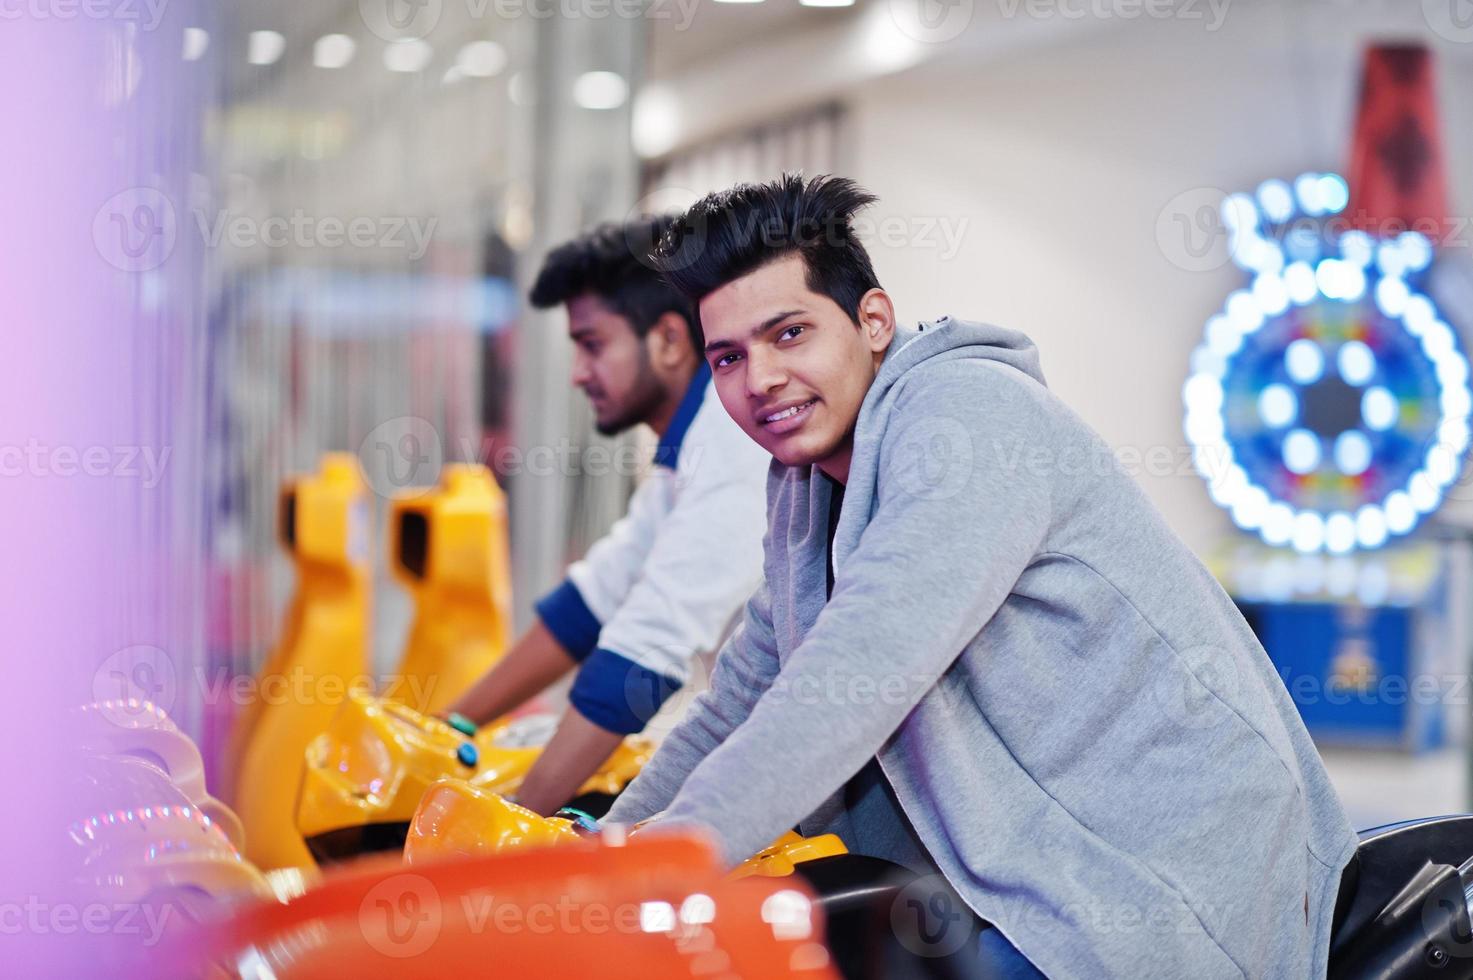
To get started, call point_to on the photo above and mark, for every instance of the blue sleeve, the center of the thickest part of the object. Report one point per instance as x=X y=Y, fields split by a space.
x=617 y=694
x=570 y=621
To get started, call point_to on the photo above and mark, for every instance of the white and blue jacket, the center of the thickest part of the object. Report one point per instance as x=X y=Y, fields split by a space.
x=670 y=576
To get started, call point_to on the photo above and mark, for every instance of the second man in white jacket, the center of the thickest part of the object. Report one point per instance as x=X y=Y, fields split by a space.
x=662 y=586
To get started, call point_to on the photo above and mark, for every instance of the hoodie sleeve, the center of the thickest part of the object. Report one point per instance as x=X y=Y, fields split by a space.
x=963 y=505
x=744 y=669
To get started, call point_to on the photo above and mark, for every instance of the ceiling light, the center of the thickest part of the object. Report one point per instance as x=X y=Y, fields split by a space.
x=196 y=41
x=408 y=56
x=264 y=47
x=481 y=59
x=600 y=90
x=333 y=51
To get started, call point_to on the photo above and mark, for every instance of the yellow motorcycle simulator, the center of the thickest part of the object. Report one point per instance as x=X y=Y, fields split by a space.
x=365 y=775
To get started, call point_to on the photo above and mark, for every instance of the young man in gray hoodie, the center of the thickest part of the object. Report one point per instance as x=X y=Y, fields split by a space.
x=996 y=661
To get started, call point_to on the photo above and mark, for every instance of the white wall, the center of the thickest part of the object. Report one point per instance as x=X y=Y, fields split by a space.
x=1056 y=163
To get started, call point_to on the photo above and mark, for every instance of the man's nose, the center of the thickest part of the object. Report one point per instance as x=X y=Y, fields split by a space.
x=765 y=373
x=582 y=373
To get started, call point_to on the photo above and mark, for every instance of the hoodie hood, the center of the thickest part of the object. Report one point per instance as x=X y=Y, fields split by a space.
x=947 y=338
x=927 y=344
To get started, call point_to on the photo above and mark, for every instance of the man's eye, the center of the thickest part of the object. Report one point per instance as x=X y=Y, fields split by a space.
x=726 y=359
x=791 y=332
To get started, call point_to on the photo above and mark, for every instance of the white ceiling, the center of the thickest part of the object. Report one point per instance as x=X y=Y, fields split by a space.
x=714 y=30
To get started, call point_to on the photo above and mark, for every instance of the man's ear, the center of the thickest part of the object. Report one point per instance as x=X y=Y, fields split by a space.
x=877 y=319
x=669 y=340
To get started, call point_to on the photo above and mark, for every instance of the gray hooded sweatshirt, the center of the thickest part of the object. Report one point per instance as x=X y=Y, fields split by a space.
x=1082 y=731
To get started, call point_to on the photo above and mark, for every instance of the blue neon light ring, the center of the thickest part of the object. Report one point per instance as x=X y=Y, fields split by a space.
x=1328 y=402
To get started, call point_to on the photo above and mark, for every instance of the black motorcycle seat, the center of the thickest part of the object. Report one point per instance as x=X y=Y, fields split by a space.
x=1389 y=857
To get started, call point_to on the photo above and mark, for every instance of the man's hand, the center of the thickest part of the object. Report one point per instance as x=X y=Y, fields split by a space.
x=575 y=752
x=650 y=821
x=534 y=662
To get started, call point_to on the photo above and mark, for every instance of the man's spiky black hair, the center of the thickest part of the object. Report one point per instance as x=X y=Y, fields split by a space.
x=612 y=262
x=730 y=233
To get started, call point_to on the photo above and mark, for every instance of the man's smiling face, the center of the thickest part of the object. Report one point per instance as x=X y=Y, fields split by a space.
x=790 y=366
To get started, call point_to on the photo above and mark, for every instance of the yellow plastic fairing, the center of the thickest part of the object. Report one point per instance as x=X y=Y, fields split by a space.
x=379 y=757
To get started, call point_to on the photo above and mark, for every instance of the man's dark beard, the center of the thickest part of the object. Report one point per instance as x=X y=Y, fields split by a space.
x=644 y=397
